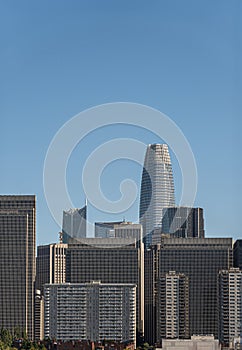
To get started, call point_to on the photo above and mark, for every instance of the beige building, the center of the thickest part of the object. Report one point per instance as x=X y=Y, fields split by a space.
x=230 y=306
x=50 y=268
x=195 y=343
x=173 y=306
x=50 y=264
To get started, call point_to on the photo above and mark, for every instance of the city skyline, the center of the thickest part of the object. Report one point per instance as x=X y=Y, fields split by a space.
x=121 y=175
x=178 y=57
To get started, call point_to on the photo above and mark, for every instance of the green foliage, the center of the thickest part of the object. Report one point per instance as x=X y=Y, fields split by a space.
x=7 y=338
x=145 y=346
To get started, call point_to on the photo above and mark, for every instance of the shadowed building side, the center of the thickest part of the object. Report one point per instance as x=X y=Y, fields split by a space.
x=185 y=222
x=17 y=262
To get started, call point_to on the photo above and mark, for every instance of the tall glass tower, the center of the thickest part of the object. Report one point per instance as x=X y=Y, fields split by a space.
x=74 y=224
x=157 y=189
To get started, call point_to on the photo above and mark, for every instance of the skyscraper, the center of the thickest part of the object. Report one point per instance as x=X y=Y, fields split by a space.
x=230 y=305
x=50 y=268
x=173 y=306
x=50 y=264
x=91 y=311
x=109 y=260
x=200 y=259
x=238 y=254
x=74 y=224
x=118 y=229
x=129 y=230
x=17 y=262
x=103 y=229
x=157 y=188
x=183 y=222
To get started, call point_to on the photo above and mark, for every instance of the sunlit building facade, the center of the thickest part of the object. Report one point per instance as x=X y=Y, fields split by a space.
x=91 y=311
x=157 y=189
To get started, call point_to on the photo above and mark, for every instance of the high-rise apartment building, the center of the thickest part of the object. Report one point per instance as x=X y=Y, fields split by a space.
x=157 y=189
x=230 y=306
x=109 y=260
x=50 y=264
x=91 y=311
x=183 y=222
x=200 y=260
x=238 y=254
x=74 y=224
x=173 y=306
x=17 y=262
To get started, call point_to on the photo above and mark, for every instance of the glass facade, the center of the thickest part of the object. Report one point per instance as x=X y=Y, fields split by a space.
x=74 y=224
x=157 y=188
x=185 y=222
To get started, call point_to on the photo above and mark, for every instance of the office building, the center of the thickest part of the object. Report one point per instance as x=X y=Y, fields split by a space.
x=50 y=268
x=129 y=230
x=74 y=224
x=91 y=311
x=158 y=236
x=105 y=229
x=157 y=189
x=173 y=306
x=17 y=262
x=50 y=264
x=183 y=222
x=200 y=260
x=230 y=306
x=119 y=229
x=238 y=254
x=109 y=260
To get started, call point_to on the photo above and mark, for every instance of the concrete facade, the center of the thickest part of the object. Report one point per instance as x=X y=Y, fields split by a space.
x=92 y=311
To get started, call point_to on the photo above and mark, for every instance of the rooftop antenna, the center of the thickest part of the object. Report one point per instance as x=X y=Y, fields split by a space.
x=61 y=237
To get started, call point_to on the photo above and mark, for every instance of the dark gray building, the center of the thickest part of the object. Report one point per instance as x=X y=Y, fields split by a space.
x=183 y=222
x=238 y=254
x=109 y=260
x=200 y=260
x=74 y=224
x=17 y=262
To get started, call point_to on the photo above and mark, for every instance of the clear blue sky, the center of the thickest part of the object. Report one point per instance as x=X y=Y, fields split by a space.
x=182 y=57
